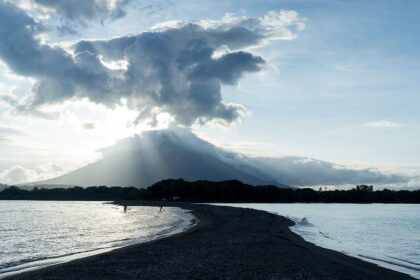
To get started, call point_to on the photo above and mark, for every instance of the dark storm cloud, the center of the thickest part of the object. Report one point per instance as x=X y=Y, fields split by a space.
x=177 y=68
x=58 y=74
x=228 y=68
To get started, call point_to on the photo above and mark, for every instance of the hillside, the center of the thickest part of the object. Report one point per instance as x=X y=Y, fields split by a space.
x=157 y=155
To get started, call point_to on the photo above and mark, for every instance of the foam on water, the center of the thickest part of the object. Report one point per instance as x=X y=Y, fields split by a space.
x=385 y=234
x=35 y=234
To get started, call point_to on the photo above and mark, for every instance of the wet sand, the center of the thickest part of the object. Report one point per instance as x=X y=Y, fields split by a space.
x=227 y=243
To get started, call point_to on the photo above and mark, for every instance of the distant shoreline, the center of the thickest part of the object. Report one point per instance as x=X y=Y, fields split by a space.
x=204 y=191
x=226 y=243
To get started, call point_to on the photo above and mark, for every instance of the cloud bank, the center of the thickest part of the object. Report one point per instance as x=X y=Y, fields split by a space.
x=300 y=171
x=177 y=68
x=18 y=174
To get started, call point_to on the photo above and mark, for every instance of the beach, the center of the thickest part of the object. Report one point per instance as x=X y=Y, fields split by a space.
x=226 y=243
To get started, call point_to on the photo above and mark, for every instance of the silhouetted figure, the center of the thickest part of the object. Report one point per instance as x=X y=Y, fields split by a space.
x=161 y=207
x=125 y=208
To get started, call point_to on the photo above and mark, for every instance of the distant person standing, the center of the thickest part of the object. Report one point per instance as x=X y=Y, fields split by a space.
x=125 y=208
x=161 y=207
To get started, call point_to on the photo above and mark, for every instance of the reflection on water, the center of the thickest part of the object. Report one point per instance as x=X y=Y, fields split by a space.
x=39 y=233
x=386 y=234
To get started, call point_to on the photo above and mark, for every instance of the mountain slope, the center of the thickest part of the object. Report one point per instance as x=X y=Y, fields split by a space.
x=3 y=186
x=156 y=155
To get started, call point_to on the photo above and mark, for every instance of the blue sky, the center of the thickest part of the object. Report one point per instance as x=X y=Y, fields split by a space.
x=344 y=90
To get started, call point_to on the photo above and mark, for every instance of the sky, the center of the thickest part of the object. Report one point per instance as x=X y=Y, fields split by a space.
x=324 y=79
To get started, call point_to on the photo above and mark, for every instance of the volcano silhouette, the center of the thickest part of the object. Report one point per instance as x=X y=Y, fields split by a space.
x=145 y=159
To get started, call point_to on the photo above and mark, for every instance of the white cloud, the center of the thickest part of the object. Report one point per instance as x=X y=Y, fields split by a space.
x=5 y=89
x=8 y=133
x=172 y=70
x=74 y=12
x=18 y=174
x=301 y=171
x=384 y=124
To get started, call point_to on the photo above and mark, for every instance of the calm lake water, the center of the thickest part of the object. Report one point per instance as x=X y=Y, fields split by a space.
x=386 y=234
x=34 y=234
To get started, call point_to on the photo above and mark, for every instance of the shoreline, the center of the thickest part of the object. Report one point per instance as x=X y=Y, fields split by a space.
x=62 y=260
x=225 y=243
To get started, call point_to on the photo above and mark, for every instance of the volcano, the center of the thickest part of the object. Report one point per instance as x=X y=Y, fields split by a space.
x=153 y=156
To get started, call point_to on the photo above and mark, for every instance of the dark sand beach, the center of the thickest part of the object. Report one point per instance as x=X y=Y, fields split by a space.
x=227 y=243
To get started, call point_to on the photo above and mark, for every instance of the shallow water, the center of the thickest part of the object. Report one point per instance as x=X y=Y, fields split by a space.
x=386 y=234
x=34 y=234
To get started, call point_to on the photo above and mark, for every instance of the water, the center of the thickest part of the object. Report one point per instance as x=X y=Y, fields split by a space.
x=35 y=234
x=385 y=234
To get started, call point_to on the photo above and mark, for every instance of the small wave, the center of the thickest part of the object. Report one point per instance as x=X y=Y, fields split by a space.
x=391 y=262
x=178 y=222
x=20 y=262
x=8 y=229
x=44 y=258
x=325 y=235
x=304 y=222
x=110 y=242
x=20 y=268
x=410 y=262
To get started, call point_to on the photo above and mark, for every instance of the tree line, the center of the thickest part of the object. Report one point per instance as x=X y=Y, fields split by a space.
x=209 y=191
